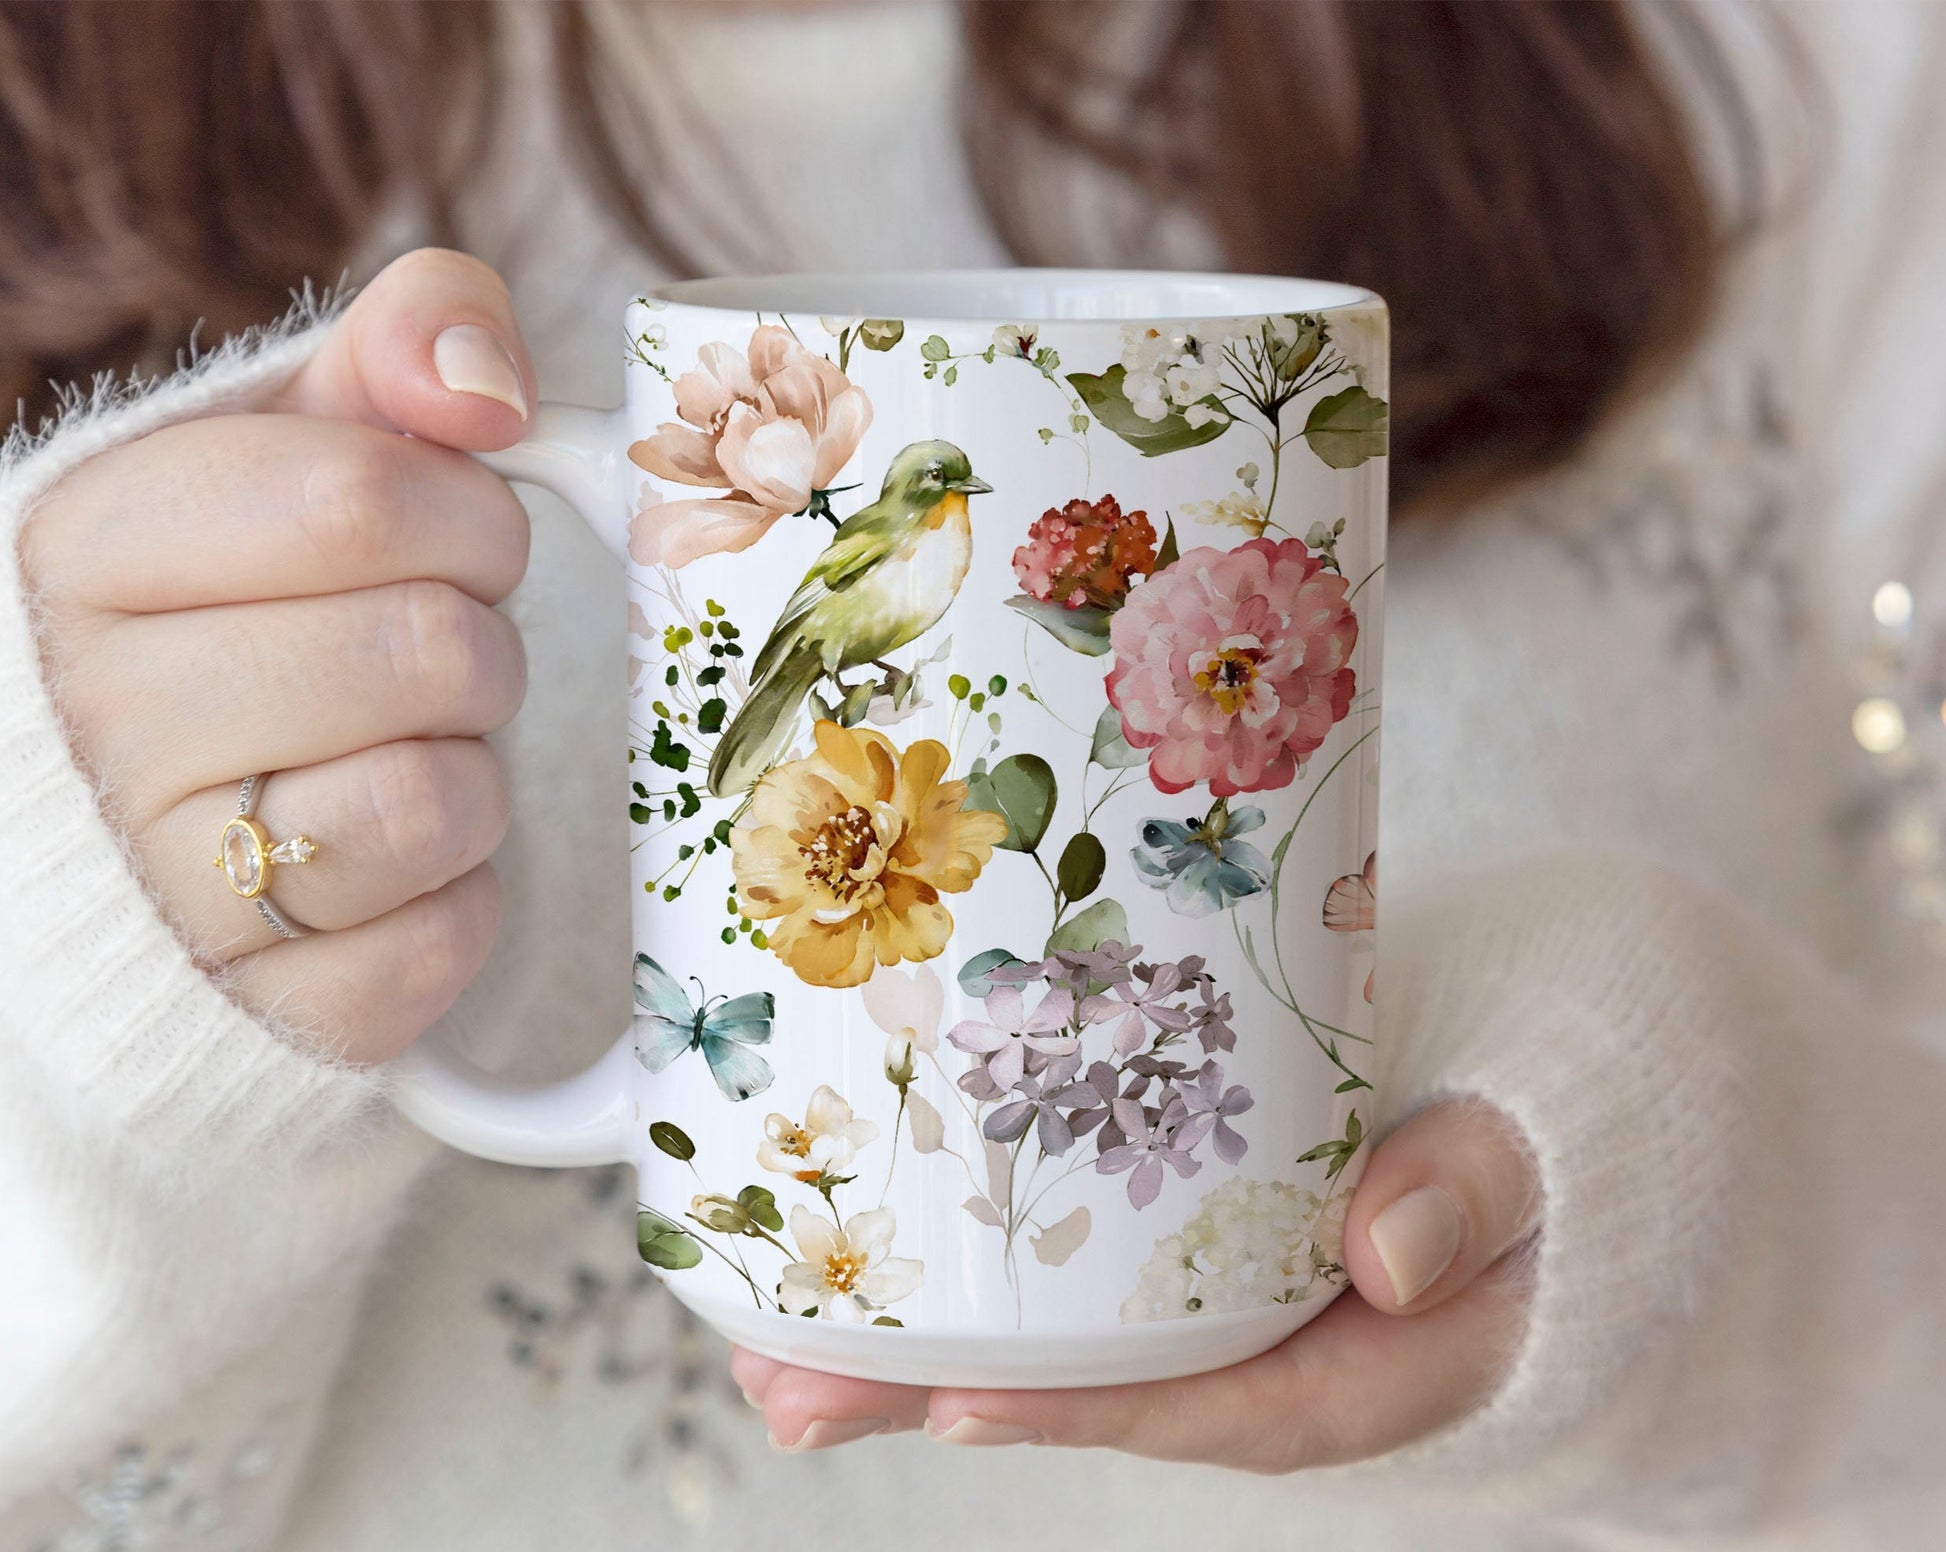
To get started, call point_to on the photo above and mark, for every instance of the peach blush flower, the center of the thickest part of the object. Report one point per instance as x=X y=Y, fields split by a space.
x=1231 y=666
x=826 y=1142
x=848 y=850
x=846 y=1272
x=774 y=423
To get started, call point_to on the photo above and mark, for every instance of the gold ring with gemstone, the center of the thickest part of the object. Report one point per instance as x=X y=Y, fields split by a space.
x=249 y=858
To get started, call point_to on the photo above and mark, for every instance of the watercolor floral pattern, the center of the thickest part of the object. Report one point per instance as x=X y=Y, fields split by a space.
x=1083 y=1075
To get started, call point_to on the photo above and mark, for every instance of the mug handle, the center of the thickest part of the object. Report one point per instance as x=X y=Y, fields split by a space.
x=588 y=1118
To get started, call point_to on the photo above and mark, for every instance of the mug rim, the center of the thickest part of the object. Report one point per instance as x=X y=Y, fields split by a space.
x=1015 y=295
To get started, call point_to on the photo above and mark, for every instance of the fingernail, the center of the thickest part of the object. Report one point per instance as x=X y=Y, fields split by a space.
x=755 y=1401
x=471 y=359
x=829 y=1431
x=1416 y=1239
x=980 y=1432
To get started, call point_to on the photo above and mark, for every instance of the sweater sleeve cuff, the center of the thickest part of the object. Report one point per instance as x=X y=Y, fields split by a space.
x=1583 y=999
x=109 y=1016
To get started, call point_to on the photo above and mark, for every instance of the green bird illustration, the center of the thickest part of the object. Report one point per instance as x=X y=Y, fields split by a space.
x=887 y=576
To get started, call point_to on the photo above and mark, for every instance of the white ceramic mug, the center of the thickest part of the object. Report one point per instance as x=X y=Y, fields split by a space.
x=1004 y=712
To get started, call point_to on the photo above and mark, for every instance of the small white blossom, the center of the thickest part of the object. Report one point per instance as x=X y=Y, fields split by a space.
x=846 y=1273
x=823 y=1145
x=1015 y=339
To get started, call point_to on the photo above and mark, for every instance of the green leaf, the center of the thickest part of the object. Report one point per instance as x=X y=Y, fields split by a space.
x=880 y=333
x=1021 y=790
x=1084 y=629
x=1151 y=438
x=889 y=1320
x=671 y=1252
x=761 y=1205
x=857 y=701
x=709 y=716
x=1103 y=922
x=672 y=1140
x=1346 y=428
x=1170 y=552
x=934 y=348
x=949 y=376
x=1080 y=868
x=958 y=686
x=973 y=974
x=666 y=752
x=1109 y=749
x=641 y=813
x=665 y=1244
x=1349 y=1084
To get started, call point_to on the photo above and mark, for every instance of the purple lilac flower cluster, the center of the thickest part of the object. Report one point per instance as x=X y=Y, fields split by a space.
x=1042 y=1064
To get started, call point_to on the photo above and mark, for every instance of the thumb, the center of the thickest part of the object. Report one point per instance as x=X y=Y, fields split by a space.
x=1444 y=1197
x=430 y=347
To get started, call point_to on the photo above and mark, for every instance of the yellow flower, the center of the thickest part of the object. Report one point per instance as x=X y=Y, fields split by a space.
x=848 y=850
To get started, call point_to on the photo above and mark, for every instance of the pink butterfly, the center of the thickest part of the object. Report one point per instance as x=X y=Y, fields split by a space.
x=1351 y=904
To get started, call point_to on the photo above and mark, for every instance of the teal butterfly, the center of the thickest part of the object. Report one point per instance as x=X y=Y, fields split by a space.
x=723 y=1029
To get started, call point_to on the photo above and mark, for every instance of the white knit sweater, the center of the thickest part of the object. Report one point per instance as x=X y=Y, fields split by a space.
x=240 y=1308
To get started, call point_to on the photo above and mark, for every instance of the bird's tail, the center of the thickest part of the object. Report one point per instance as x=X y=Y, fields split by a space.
x=763 y=725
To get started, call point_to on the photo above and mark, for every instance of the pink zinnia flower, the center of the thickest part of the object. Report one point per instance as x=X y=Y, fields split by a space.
x=1231 y=666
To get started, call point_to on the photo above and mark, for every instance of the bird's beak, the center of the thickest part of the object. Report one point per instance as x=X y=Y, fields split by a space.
x=972 y=485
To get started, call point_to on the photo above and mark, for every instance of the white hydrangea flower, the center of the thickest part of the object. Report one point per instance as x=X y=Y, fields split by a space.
x=1189 y=380
x=1148 y=346
x=1147 y=395
x=1249 y=1243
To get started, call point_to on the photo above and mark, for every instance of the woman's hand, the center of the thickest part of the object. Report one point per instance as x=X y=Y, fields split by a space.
x=1426 y=1334
x=307 y=593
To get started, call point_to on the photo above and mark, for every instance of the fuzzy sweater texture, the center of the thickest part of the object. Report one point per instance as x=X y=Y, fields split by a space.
x=1629 y=899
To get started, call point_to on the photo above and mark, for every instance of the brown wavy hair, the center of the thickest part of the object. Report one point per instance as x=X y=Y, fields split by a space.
x=1516 y=178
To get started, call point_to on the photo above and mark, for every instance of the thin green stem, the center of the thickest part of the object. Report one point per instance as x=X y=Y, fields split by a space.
x=892 y=1168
